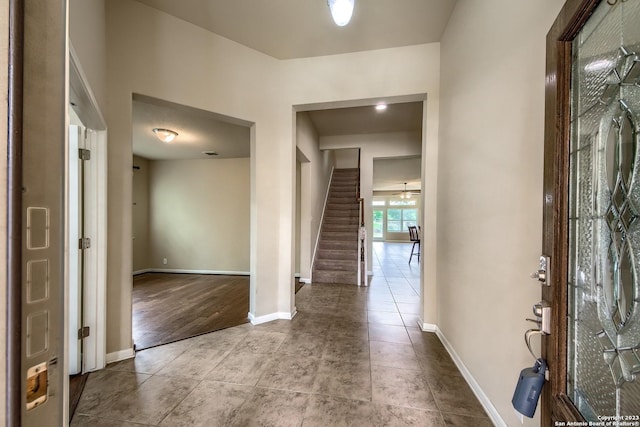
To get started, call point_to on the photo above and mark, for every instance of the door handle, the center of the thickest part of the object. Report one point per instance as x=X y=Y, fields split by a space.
x=542 y=311
x=539 y=275
x=542 y=274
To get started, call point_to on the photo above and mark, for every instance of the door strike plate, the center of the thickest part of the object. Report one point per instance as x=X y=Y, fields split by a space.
x=37 y=385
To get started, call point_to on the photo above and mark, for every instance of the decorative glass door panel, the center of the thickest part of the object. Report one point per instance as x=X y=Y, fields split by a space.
x=604 y=205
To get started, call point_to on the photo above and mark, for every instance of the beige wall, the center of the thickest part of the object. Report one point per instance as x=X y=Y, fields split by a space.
x=490 y=186
x=140 y=214
x=315 y=175
x=199 y=215
x=219 y=75
x=346 y=159
x=87 y=31
x=4 y=51
x=395 y=171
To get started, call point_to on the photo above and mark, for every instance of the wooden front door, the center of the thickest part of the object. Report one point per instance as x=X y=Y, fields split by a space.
x=591 y=208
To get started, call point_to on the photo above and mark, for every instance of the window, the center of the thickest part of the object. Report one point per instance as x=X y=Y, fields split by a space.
x=399 y=220
x=392 y=216
x=402 y=202
x=378 y=224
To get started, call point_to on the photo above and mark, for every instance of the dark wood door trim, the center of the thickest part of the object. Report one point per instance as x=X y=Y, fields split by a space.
x=556 y=406
x=14 y=215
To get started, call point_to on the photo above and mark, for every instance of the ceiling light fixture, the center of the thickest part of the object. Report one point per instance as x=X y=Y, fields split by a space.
x=381 y=106
x=165 y=135
x=404 y=194
x=341 y=11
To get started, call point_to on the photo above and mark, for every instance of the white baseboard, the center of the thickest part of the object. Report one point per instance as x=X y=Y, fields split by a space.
x=117 y=356
x=369 y=273
x=271 y=317
x=428 y=327
x=475 y=387
x=187 y=271
x=305 y=280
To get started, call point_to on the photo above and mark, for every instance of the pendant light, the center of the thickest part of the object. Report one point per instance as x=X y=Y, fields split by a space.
x=341 y=11
x=405 y=195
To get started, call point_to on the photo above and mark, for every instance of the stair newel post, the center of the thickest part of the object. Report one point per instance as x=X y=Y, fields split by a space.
x=362 y=234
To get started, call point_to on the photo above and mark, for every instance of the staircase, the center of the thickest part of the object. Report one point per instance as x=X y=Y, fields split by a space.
x=337 y=255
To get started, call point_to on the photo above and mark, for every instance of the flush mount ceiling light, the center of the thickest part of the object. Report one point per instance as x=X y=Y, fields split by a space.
x=165 y=135
x=381 y=106
x=341 y=11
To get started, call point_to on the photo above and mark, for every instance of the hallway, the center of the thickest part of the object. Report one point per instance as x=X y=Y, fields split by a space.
x=351 y=356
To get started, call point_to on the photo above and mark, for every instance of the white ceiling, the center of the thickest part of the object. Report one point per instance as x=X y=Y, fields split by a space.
x=288 y=29
x=401 y=117
x=198 y=131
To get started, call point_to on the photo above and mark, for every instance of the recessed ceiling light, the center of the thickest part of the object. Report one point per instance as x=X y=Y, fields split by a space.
x=381 y=106
x=165 y=135
x=210 y=153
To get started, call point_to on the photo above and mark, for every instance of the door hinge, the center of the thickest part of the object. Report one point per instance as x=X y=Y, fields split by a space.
x=84 y=243
x=84 y=154
x=84 y=332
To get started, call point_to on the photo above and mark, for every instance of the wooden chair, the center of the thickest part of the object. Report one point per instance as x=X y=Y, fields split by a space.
x=414 y=236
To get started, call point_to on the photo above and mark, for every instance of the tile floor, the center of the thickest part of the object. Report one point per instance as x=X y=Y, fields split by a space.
x=350 y=357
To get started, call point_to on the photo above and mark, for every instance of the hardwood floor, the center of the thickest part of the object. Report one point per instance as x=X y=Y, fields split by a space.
x=171 y=307
x=76 y=386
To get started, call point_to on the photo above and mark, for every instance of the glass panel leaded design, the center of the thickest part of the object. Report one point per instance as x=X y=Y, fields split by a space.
x=604 y=204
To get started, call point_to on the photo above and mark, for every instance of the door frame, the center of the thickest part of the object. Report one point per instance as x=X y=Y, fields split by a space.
x=95 y=217
x=556 y=405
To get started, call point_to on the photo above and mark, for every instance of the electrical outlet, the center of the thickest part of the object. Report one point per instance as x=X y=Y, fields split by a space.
x=164 y=261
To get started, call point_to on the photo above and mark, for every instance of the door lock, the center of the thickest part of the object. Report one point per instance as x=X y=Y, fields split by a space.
x=542 y=312
x=542 y=274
